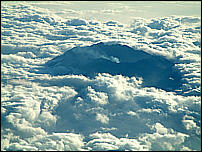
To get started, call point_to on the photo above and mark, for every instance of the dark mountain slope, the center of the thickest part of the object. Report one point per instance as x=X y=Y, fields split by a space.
x=116 y=59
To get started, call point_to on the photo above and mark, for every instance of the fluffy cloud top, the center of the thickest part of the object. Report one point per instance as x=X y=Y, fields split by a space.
x=43 y=111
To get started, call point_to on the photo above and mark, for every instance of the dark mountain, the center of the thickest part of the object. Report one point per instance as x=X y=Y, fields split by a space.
x=116 y=59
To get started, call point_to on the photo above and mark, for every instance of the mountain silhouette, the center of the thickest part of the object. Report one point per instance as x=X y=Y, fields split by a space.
x=156 y=71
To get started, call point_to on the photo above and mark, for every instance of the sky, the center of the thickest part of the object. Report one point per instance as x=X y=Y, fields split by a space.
x=122 y=11
x=100 y=76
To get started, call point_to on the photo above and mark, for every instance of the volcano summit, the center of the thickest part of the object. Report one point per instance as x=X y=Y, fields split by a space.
x=115 y=59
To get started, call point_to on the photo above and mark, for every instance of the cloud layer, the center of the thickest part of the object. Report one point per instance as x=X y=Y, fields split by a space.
x=107 y=112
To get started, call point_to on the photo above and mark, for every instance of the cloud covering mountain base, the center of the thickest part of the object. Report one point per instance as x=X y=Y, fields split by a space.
x=65 y=106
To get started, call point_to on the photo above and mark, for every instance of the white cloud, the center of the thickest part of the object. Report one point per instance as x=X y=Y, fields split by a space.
x=188 y=122
x=102 y=118
x=110 y=11
x=162 y=139
x=74 y=112
x=20 y=147
x=47 y=120
x=106 y=141
x=59 y=141
x=160 y=128
x=97 y=97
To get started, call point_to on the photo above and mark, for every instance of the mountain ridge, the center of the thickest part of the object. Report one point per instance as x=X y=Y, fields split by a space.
x=156 y=71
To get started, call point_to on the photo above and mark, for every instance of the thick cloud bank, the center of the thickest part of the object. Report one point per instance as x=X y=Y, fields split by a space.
x=75 y=84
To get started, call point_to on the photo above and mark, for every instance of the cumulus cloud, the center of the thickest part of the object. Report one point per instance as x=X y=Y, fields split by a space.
x=188 y=122
x=59 y=141
x=106 y=141
x=97 y=97
x=43 y=111
x=164 y=138
x=102 y=118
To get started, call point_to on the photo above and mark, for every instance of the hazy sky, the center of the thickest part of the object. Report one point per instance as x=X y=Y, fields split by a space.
x=122 y=11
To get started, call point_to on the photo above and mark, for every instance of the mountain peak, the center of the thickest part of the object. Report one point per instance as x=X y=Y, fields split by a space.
x=117 y=59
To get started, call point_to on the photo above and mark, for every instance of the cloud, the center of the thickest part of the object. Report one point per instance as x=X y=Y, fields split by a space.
x=188 y=122
x=110 y=11
x=102 y=118
x=97 y=97
x=55 y=141
x=59 y=141
x=19 y=147
x=41 y=111
x=106 y=141
x=76 y=22
x=163 y=139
